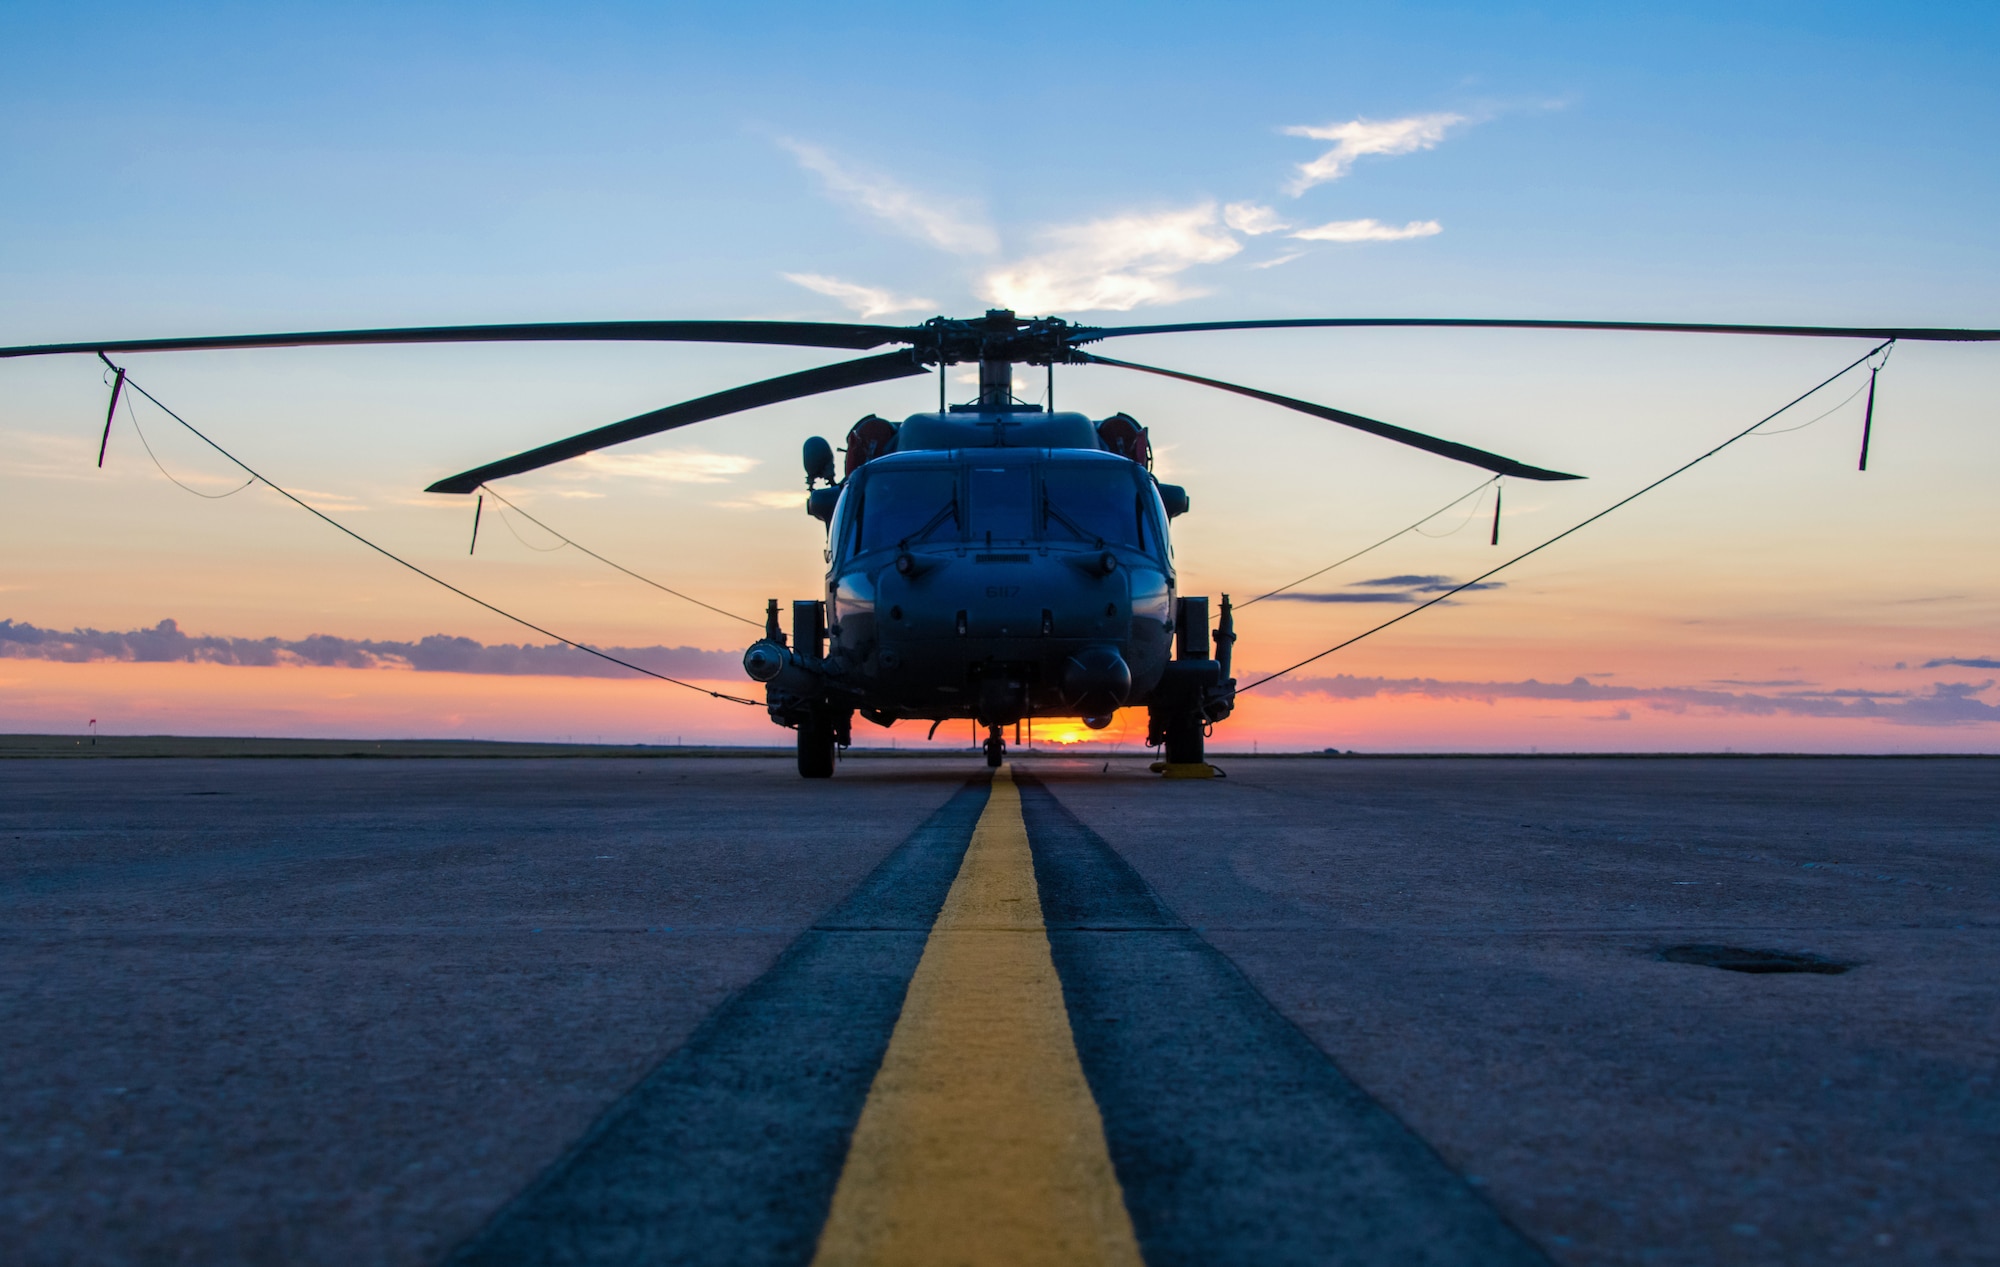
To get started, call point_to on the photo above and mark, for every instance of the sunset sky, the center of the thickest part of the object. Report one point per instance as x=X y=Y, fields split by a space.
x=210 y=169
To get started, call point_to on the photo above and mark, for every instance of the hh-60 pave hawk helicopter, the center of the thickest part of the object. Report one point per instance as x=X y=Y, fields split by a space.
x=991 y=561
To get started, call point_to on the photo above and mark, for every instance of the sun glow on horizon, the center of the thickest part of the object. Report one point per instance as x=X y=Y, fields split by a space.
x=138 y=698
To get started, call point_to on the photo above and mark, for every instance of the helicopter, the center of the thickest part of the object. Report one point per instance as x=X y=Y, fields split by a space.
x=992 y=561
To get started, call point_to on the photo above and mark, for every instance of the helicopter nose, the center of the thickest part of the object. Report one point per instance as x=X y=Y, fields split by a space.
x=1096 y=680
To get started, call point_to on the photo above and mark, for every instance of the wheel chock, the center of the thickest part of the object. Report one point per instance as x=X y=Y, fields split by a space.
x=1185 y=769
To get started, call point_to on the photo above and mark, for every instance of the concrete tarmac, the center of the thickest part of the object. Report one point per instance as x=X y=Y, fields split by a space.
x=386 y=1011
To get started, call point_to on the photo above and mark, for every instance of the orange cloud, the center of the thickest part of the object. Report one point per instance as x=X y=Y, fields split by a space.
x=208 y=699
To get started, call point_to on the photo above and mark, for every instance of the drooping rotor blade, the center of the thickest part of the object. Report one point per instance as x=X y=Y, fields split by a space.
x=827 y=378
x=803 y=334
x=1415 y=439
x=1918 y=333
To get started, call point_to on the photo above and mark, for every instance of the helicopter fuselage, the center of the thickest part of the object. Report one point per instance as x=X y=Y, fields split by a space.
x=998 y=583
x=994 y=564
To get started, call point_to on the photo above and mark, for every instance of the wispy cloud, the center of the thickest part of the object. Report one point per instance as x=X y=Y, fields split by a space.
x=1731 y=681
x=1368 y=231
x=1947 y=703
x=1426 y=581
x=867 y=301
x=672 y=466
x=1385 y=589
x=438 y=653
x=329 y=502
x=1250 y=218
x=68 y=457
x=1360 y=137
x=1944 y=704
x=767 y=500
x=1118 y=262
x=1962 y=662
x=1114 y=264
x=949 y=224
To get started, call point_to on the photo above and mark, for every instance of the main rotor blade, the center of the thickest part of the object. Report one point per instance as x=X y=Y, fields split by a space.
x=827 y=378
x=802 y=334
x=1415 y=439
x=1919 y=333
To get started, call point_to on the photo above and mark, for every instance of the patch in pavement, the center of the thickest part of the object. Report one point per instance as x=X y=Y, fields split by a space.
x=1738 y=959
x=1236 y=1139
x=728 y=1151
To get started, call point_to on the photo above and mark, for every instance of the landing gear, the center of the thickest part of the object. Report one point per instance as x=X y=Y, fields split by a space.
x=816 y=744
x=1195 y=692
x=996 y=747
x=1184 y=744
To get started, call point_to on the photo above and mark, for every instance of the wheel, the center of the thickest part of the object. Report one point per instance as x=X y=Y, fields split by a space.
x=996 y=747
x=815 y=750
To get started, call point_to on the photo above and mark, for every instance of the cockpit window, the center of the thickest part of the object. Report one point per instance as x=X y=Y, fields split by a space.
x=1002 y=502
x=1153 y=518
x=911 y=506
x=841 y=531
x=1093 y=502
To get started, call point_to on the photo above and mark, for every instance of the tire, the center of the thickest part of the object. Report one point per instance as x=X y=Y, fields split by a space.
x=815 y=750
x=996 y=752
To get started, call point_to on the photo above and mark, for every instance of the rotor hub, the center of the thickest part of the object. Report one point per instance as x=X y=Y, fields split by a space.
x=1000 y=338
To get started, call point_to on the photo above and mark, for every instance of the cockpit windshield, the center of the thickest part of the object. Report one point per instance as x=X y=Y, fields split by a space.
x=1003 y=502
x=1095 y=502
x=907 y=505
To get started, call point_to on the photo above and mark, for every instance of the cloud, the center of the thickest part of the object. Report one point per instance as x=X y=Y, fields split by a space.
x=1341 y=596
x=43 y=456
x=1947 y=704
x=1248 y=217
x=1117 y=263
x=794 y=500
x=1359 y=137
x=672 y=466
x=1969 y=662
x=1385 y=589
x=329 y=502
x=868 y=301
x=950 y=225
x=1431 y=581
x=439 y=653
x=1731 y=681
x=1368 y=231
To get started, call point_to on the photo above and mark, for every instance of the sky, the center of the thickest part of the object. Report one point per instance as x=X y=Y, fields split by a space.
x=205 y=169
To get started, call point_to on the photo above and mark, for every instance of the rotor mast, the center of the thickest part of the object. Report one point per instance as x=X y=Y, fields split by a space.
x=996 y=384
x=996 y=368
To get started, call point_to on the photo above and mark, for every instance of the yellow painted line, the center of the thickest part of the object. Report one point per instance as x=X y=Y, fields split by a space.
x=980 y=1142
